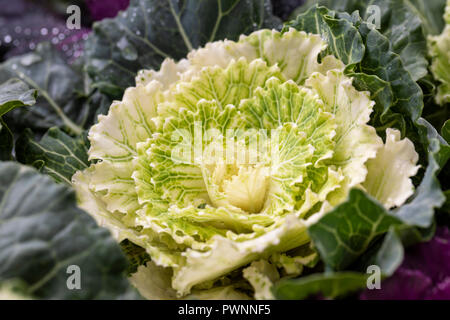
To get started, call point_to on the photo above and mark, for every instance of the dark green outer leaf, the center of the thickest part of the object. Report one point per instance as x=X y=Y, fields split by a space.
x=431 y=14
x=387 y=256
x=60 y=100
x=379 y=60
x=344 y=233
x=401 y=24
x=15 y=93
x=428 y=196
x=42 y=232
x=388 y=251
x=6 y=142
x=344 y=237
x=435 y=114
x=405 y=22
x=151 y=30
x=344 y=41
x=370 y=60
x=390 y=255
x=57 y=154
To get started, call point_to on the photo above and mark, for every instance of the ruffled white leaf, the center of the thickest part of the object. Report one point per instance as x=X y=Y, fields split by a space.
x=128 y=122
x=294 y=52
x=169 y=73
x=91 y=203
x=356 y=142
x=154 y=283
x=262 y=275
x=227 y=255
x=389 y=173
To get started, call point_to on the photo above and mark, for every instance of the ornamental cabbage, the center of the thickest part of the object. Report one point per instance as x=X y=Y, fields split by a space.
x=217 y=164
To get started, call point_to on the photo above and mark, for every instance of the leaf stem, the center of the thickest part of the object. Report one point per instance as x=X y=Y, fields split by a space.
x=69 y=123
x=180 y=27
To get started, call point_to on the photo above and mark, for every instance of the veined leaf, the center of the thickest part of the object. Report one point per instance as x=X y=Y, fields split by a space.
x=430 y=12
x=396 y=94
x=151 y=30
x=381 y=61
x=373 y=63
x=57 y=154
x=15 y=93
x=405 y=22
x=387 y=253
x=344 y=233
x=60 y=102
x=428 y=196
x=43 y=232
x=390 y=255
x=343 y=39
x=348 y=230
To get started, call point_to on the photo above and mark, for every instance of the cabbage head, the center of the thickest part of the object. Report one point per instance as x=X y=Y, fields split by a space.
x=217 y=164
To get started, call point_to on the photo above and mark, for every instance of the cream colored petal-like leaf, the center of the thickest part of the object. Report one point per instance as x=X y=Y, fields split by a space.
x=128 y=122
x=153 y=282
x=91 y=203
x=356 y=141
x=261 y=274
x=227 y=255
x=389 y=173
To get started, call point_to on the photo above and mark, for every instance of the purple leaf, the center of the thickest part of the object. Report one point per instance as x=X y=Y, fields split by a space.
x=101 y=9
x=424 y=273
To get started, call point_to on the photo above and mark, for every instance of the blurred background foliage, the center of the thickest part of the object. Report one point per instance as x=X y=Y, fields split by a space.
x=25 y=23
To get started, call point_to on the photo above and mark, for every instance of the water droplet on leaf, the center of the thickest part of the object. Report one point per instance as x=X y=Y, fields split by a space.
x=127 y=49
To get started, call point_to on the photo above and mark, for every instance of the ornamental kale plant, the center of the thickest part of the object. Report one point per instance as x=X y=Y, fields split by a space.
x=210 y=150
